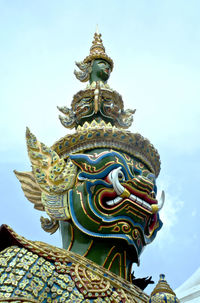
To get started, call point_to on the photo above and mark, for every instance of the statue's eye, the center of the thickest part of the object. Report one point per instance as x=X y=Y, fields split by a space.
x=102 y=63
x=121 y=176
x=135 y=171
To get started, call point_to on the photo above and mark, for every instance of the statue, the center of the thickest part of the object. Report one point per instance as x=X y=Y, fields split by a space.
x=96 y=70
x=98 y=186
x=97 y=66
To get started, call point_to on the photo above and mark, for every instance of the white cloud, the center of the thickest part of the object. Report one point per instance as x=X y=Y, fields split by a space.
x=170 y=212
x=194 y=213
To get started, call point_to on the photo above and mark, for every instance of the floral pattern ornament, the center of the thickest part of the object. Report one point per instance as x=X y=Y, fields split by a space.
x=38 y=272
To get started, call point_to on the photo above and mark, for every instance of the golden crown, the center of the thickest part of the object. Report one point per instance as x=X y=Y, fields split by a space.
x=97 y=51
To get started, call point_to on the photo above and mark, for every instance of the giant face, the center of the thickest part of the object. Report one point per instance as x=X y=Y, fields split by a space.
x=106 y=193
x=100 y=70
x=114 y=197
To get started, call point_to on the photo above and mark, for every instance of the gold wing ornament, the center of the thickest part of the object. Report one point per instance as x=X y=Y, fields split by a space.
x=30 y=188
x=47 y=185
x=53 y=174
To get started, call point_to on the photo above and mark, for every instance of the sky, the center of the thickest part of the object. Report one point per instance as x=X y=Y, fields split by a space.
x=155 y=46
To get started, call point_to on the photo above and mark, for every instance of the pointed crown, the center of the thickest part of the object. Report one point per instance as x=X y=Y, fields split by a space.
x=97 y=113
x=162 y=286
x=163 y=291
x=97 y=51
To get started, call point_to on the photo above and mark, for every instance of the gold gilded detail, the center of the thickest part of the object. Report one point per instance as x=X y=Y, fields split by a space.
x=56 y=206
x=109 y=137
x=154 y=208
x=52 y=173
x=163 y=292
x=30 y=188
x=97 y=51
x=125 y=193
x=27 y=274
x=162 y=287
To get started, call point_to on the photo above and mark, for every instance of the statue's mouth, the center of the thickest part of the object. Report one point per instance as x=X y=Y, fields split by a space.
x=110 y=199
x=106 y=71
x=130 y=191
x=113 y=203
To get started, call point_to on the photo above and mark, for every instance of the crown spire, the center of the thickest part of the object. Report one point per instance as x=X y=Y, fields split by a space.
x=97 y=29
x=97 y=50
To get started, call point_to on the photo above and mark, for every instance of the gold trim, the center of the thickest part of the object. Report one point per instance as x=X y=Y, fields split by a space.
x=125 y=194
x=162 y=287
x=109 y=253
x=120 y=263
x=85 y=254
x=85 y=138
x=21 y=299
x=72 y=238
x=97 y=51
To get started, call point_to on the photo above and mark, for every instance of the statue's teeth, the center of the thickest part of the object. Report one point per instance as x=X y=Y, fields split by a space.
x=110 y=203
x=115 y=201
x=131 y=197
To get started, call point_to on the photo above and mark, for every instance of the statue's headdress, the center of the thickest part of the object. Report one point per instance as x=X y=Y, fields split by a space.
x=97 y=51
x=98 y=115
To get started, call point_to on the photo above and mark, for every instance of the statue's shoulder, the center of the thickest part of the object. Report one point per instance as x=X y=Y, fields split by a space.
x=35 y=271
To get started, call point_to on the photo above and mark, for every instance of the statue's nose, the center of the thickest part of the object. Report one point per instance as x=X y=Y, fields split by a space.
x=144 y=184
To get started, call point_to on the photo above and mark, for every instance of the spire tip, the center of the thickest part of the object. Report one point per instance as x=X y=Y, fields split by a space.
x=97 y=29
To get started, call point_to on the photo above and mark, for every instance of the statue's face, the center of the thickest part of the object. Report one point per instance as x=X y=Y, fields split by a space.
x=113 y=198
x=100 y=70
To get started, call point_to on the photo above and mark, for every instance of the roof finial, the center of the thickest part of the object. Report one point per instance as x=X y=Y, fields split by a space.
x=162 y=287
x=163 y=292
x=97 y=29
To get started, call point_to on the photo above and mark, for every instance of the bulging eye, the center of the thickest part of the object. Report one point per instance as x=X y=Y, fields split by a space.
x=121 y=176
x=102 y=63
x=151 y=177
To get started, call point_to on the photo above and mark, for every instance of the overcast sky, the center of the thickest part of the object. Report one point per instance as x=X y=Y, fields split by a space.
x=155 y=46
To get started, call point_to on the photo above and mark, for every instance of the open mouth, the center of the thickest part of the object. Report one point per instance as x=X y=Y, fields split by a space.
x=111 y=199
x=143 y=198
